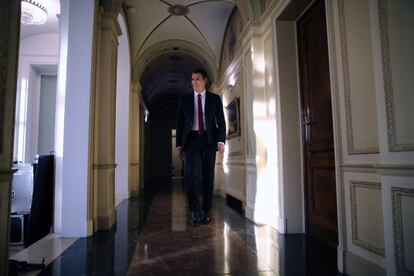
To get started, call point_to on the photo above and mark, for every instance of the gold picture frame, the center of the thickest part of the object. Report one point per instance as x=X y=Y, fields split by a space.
x=233 y=118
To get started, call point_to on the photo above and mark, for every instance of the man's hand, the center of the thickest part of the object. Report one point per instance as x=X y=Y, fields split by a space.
x=220 y=147
x=180 y=153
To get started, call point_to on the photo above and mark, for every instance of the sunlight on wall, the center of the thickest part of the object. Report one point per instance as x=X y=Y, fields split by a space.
x=259 y=109
x=267 y=196
x=226 y=151
x=266 y=206
x=271 y=107
x=22 y=120
x=259 y=62
x=225 y=160
x=232 y=80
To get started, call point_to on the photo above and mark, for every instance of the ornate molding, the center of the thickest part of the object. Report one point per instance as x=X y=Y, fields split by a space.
x=354 y=218
x=381 y=169
x=245 y=9
x=135 y=87
x=108 y=21
x=347 y=91
x=396 y=194
x=393 y=145
x=235 y=154
x=104 y=166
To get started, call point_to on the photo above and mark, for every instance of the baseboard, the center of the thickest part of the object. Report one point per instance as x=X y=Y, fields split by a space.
x=281 y=225
x=235 y=204
x=340 y=253
x=220 y=192
x=357 y=266
x=133 y=193
x=106 y=222
x=249 y=213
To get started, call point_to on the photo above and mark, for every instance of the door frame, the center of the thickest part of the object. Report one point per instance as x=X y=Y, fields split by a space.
x=289 y=84
x=306 y=109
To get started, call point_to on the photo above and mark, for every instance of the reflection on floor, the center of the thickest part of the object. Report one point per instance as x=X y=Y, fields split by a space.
x=166 y=245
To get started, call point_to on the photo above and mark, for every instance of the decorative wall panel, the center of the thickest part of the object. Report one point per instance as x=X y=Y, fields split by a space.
x=358 y=74
x=367 y=217
x=235 y=184
x=396 y=19
x=403 y=225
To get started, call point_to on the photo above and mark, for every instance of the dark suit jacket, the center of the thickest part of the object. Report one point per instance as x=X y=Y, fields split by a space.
x=214 y=117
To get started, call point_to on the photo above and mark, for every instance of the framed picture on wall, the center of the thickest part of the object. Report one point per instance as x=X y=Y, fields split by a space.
x=233 y=118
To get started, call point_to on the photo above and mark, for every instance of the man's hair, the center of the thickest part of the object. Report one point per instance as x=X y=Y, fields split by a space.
x=202 y=72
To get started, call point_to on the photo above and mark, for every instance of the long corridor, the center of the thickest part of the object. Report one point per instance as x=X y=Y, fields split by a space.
x=155 y=239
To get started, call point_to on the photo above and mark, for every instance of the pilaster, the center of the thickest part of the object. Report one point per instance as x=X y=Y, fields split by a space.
x=134 y=122
x=104 y=120
x=9 y=45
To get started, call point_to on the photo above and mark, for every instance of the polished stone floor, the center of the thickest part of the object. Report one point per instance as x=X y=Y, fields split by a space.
x=155 y=239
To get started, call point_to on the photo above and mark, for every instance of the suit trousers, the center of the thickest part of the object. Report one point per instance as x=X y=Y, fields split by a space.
x=199 y=161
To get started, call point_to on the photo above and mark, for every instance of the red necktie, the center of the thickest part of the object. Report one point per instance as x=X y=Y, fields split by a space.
x=200 y=115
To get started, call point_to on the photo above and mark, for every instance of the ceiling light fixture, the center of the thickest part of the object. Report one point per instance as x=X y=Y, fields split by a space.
x=131 y=9
x=33 y=13
x=178 y=10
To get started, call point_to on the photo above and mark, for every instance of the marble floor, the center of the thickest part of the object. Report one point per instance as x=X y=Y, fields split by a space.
x=154 y=238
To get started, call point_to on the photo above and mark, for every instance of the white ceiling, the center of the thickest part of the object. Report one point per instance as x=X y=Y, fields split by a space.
x=52 y=24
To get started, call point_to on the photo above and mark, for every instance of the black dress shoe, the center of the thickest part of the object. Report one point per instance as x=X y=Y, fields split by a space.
x=195 y=220
x=206 y=218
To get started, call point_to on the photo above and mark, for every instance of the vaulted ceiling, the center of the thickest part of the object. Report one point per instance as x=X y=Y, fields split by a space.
x=169 y=38
x=197 y=21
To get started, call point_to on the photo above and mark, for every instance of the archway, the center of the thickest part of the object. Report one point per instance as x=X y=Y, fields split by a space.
x=165 y=79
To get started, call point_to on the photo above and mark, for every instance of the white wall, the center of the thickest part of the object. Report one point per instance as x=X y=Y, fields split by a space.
x=46 y=141
x=122 y=112
x=288 y=120
x=40 y=45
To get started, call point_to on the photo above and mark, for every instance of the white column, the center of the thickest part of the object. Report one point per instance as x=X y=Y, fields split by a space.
x=9 y=45
x=72 y=118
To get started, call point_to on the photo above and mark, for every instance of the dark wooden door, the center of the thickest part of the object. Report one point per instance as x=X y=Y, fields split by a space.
x=320 y=190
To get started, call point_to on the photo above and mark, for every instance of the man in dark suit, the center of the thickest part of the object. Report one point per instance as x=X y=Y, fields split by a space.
x=201 y=131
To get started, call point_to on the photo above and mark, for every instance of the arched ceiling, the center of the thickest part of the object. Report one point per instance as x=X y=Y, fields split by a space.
x=169 y=39
x=200 y=22
x=168 y=78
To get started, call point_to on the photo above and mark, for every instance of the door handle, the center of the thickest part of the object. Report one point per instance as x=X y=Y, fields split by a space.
x=307 y=123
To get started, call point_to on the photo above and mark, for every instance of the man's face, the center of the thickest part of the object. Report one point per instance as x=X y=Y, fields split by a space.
x=198 y=83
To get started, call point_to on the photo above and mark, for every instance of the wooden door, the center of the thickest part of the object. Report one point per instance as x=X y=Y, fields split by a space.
x=319 y=162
